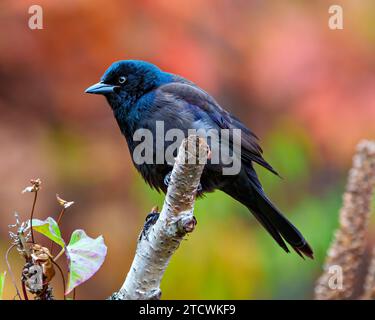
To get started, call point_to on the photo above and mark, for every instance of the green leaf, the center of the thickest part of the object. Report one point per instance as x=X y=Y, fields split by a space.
x=86 y=255
x=2 y=282
x=50 y=229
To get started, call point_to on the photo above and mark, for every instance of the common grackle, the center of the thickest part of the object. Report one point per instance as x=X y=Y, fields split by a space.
x=140 y=95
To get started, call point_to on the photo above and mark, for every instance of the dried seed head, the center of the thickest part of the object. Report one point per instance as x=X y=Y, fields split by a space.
x=65 y=204
x=35 y=186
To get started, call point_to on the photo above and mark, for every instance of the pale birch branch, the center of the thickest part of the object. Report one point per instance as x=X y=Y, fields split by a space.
x=176 y=219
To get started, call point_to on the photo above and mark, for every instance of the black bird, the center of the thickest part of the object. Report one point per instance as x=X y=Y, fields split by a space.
x=140 y=94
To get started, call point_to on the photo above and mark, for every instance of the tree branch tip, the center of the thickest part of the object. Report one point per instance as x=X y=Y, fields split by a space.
x=194 y=149
x=187 y=224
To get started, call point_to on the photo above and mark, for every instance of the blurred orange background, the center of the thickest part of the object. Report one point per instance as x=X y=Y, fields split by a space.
x=306 y=90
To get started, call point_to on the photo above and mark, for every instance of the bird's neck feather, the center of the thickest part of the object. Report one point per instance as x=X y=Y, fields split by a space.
x=129 y=116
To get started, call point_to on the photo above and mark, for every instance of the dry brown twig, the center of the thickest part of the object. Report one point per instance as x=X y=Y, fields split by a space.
x=346 y=252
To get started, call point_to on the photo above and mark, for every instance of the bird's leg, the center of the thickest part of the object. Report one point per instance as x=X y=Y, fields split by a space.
x=150 y=220
x=167 y=179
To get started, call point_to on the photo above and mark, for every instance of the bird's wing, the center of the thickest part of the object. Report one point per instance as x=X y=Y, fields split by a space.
x=199 y=101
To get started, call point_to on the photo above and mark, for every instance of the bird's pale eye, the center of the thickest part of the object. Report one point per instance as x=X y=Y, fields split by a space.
x=122 y=79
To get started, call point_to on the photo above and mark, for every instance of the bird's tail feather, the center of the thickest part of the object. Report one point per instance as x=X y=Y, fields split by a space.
x=277 y=225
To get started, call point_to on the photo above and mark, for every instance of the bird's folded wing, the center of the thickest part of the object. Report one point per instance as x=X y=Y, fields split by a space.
x=201 y=106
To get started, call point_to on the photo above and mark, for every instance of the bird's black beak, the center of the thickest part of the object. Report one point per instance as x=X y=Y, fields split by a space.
x=101 y=88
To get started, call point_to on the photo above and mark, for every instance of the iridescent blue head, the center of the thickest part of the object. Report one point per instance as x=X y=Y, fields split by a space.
x=126 y=81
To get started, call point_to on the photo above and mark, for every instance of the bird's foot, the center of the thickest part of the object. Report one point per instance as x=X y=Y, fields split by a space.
x=150 y=220
x=199 y=188
x=167 y=180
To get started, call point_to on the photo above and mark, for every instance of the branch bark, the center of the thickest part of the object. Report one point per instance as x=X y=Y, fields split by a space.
x=155 y=249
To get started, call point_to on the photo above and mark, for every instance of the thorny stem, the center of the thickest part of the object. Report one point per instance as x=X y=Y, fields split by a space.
x=32 y=214
x=10 y=270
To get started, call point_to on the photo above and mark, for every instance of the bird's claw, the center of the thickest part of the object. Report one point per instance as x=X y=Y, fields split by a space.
x=167 y=179
x=199 y=188
x=150 y=220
